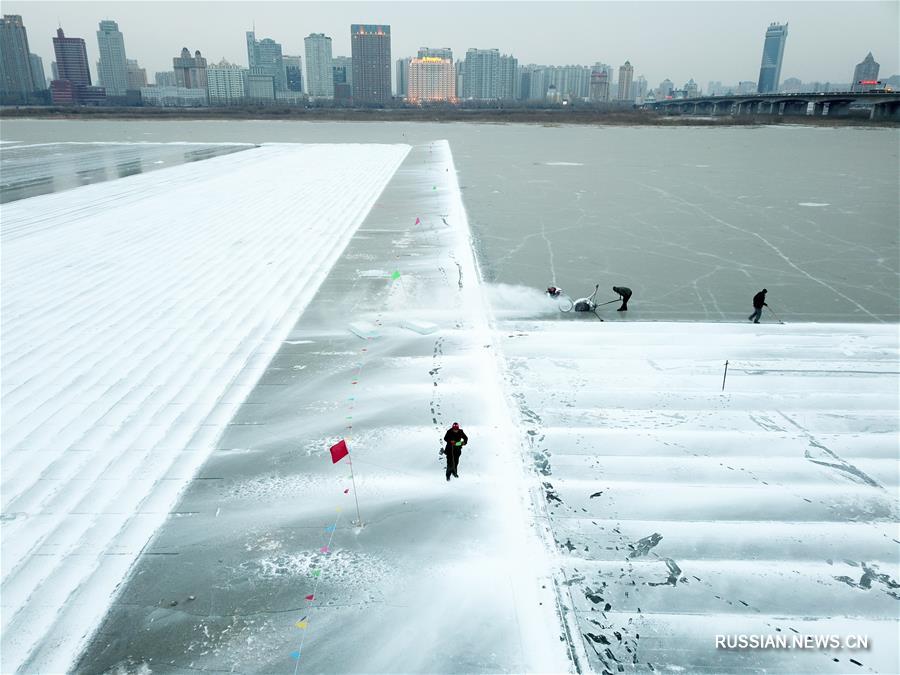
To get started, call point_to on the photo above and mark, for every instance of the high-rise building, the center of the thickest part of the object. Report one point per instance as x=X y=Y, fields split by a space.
x=319 y=77
x=691 y=90
x=112 y=70
x=665 y=90
x=432 y=77
x=165 y=79
x=136 y=76
x=37 y=72
x=342 y=76
x=190 y=71
x=371 y=54
x=772 y=56
x=599 y=85
x=71 y=59
x=639 y=89
x=865 y=75
x=507 y=83
x=481 y=81
x=16 y=78
x=225 y=83
x=259 y=88
x=293 y=73
x=74 y=83
x=626 y=74
x=402 y=76
x=264 y=58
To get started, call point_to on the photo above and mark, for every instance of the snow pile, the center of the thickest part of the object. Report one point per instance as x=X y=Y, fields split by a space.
x=137 y=315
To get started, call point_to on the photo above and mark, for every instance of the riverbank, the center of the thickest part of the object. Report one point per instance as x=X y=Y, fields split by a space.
x=501 y=116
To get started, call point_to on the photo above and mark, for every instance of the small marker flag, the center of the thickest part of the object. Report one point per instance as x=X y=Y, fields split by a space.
x=339 y=451
x=324 y=549
x=417 y=220
x=315 y=573
x=310 y=596
x=330 y=528
x=347 y=491
x=395 y=275
x=302 y=623
x=295 y=655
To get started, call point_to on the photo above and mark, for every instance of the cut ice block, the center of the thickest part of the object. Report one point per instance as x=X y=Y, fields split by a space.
x=363 y=329
x=423 y=327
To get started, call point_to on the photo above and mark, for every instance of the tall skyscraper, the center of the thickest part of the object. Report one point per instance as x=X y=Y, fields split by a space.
x=371 y=53
x=773 y=53
x=225 y=83
x=626 y=74
x=112 y=70
x=190 y=72
x=599 y=85
x=264 y=58
x=867 y=71
x=319 y=78
x=507 y=84
x=481 y=81
x=293 y=72
x=639 y=89
x=665 y=90
x=691 y=90
x=137 y=76
x=37 y=72
x=432 y=77
x=402 y=76
x=16 y=78
x=71 y=59
x=342 y=76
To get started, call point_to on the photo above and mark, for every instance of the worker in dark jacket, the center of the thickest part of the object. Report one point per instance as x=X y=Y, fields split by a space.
x=759 y=301
x=625 y=294
x=455 y=438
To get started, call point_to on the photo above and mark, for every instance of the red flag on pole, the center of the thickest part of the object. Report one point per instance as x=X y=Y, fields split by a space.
x=339 y=451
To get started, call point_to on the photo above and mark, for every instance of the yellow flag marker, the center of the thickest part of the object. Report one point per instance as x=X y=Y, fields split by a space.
x=303 y=623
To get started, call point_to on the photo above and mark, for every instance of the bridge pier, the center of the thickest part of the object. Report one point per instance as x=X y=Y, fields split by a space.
x=794 y=108
x=890 y=110
x=820 y=108
x=723 y=107
x=839 y=109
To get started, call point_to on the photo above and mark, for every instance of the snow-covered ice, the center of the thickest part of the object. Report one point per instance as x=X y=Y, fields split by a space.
x=137 y=315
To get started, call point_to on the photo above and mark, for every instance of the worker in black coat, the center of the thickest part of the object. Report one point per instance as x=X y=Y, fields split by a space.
x=759 y=301
x=455 y=438
x=625 y=294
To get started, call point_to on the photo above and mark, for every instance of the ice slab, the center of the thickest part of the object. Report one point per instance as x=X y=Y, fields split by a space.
x=421 y=327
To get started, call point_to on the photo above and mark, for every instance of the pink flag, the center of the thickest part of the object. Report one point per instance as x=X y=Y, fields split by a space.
x=339 y=451
x=324 y=549
x=417 y=220
x=347 y=491
x=310 y=596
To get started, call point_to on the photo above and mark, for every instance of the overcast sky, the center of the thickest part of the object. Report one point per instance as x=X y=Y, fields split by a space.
x=713 y=40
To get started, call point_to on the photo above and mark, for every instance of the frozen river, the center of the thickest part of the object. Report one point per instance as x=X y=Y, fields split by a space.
x=175 y=367
x=694 y=220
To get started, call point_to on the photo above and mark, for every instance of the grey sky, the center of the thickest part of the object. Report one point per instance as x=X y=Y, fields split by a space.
x=680 y=40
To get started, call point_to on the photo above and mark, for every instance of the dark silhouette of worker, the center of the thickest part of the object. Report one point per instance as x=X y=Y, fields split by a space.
x=455 y=438
x=554 y=292
x=625 y=294
x=759 y=301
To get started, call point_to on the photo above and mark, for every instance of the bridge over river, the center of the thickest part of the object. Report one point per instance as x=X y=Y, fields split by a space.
x=882 y=105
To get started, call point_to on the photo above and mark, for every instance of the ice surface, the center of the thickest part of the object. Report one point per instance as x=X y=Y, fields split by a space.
x=138 y=315
x=670 y=511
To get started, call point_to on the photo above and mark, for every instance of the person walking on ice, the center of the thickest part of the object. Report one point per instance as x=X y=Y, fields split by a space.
x=759 y=301
x=624 y=293
x=455 y=438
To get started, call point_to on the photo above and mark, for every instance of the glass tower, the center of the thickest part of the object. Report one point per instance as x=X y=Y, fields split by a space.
x=773 y=53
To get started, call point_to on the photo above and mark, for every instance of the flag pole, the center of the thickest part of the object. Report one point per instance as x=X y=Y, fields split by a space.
x=355 y=496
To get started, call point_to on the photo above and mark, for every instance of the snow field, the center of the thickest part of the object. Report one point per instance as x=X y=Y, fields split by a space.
x=680 y=511
x=137 y=316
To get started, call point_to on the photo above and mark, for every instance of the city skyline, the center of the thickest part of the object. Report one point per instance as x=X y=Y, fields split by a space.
x=642 y=40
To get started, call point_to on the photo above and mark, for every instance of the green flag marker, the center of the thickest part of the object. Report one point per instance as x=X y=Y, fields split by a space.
x=315 y=573
x=395 y=275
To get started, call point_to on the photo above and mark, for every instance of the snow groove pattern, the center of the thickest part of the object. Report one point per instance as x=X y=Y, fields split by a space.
x=137 y=316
